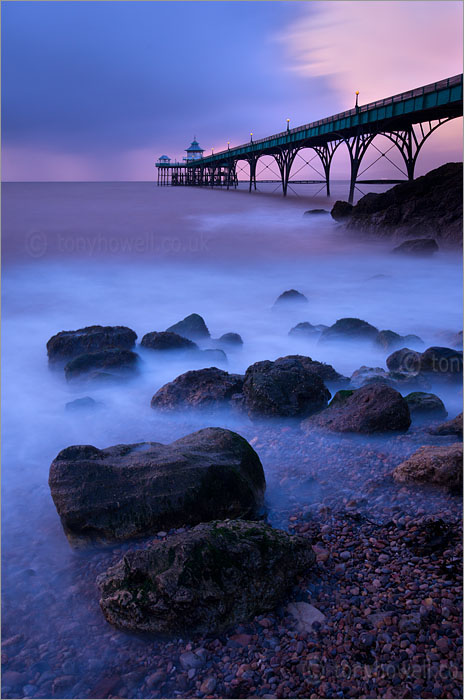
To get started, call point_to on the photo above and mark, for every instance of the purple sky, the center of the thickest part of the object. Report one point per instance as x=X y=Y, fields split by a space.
x=98 y=90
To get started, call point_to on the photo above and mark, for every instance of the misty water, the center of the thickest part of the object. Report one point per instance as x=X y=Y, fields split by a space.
x=133 y=254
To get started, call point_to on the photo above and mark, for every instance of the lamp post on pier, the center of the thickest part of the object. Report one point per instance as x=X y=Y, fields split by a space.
x=288 y=124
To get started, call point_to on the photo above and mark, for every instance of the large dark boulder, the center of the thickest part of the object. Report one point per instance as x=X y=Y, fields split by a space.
x=290 y=297
x=323 y=370
x=451 y=427
x=369 y=375
x=375 y=408
x=421 y=247
x=284 y=388
x=68 y=344
x=115 y=363
x=165 y=340
x=442 y=363
x=423 y=405
x=208 y=388
x=430 y=206
x=205 y=580
x=129 y=490
x=192 y=327
x=341 y=211
x=349 y=329
x=404 y=360
x=433 y=465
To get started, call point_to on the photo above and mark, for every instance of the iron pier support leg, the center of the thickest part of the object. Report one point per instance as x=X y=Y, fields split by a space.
x=252 y=163
x=284 y=160
x=357 y=147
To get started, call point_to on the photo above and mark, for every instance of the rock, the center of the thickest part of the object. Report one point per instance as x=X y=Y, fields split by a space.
x=369 y=375
x=451 y=427
x=190 y=659
x=304 y=330
x=208 y=686
x=433 y=465
x=315 y=212
x=341 y=396
x=325 y=371
x=404 y=360
x=442 y=363
x=192 y=327
x=205 y=580
x=388 y=339
x=424 y=405
x=165 y=340
x=129 y=490
x=341 y=211
x=208 y=388
x=230 y=340
x=429 y=206
x=375 y=408
x=283 y=388
x=115 y=362
x=291 y=297
x=349 y=329
x=69 y=344
x=86 y=403
x=212 y=355
x=306 y=615
x=417 y=246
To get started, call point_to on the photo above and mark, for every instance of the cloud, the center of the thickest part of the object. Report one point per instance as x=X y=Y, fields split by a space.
x=377 y=47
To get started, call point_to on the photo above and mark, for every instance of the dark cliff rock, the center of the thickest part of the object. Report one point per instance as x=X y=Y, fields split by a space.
x=428 y=207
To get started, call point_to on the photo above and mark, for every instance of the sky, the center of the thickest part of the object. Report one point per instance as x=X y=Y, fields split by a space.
x=98 y=90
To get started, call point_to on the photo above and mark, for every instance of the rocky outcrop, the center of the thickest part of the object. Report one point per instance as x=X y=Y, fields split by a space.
x=419 y=247
x=433 y=465
x=192 y=327
x=104 y=364
x=164 y=340
x=204 y=580
x=375 y=408
x=451 y=427
x=442 y=363
x=323 y=370
x=69 y=344
x=404 y=360
x=341 y=211
x=349 y=329
x=423 y=405
x=316 y=212
x=307 y=330
x=284 y=388
x=129 y=490
x=290 y=297
x=86 y=403
x=208 y=389
x=428 y=207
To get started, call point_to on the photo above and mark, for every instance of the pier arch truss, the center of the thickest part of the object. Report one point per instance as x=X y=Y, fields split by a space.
x=406 y=120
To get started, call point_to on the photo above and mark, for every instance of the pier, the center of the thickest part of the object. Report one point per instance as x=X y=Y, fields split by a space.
x=406 y=119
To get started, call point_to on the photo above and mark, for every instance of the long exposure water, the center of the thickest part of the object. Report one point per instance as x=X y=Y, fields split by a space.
x=79 y=254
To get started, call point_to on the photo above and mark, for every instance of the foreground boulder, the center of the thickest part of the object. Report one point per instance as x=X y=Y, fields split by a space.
x=433 y=465
x=165 y=340
x=349 y=329
x=103 y=364
x=427 y=206
x=375 y=408
x=404 y=360
x=205 y=580
x=208 y=388
x=290 y=297
x=192 y=327
x=369 y=375
x=323 y=370
x=129 y=490
x=442 y=363
x=451 y=427
x=285 y=388
x=423 y=405
x=422 y=247
x=68 y=344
